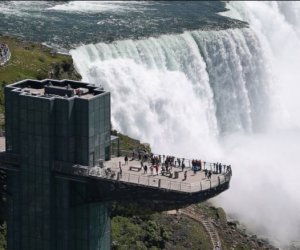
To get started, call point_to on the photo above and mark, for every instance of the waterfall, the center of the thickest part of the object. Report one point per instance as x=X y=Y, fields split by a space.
x=184 y=89
x=277 y=24
x=265 y=195
x=228 y=95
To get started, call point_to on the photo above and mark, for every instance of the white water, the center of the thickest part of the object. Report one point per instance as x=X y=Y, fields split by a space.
x=93 y=6
x=229 y=96
x=265 y=194
x=162 y=86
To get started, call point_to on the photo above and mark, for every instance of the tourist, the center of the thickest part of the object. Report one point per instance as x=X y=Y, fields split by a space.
x=209 y=174
x=182 y=166
x=156 y=169
x=185 y=175
x=120 y=172
x=145 y=169
x=178 y=160
x=126 y=160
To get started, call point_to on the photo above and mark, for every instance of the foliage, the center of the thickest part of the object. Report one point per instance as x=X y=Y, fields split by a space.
x=155 y=230
x=137 y=232
x=32 y=61
x=29 y=60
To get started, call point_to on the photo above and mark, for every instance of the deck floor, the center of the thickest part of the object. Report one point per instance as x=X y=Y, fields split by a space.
x=114 y=164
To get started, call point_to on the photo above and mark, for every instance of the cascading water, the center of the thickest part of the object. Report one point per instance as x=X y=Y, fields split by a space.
x=219 y=95
x=267 y=200
x=227 y=96
x=165 y=93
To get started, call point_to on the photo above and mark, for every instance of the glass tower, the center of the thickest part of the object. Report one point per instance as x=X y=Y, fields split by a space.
x=49 y=123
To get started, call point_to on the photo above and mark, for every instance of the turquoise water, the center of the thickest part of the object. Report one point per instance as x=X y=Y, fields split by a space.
x=67 y=24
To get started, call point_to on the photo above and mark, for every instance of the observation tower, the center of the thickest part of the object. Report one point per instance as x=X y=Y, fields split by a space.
x=64 y=169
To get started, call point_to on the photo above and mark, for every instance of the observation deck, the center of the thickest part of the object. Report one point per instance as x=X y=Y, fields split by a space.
x=114 y=180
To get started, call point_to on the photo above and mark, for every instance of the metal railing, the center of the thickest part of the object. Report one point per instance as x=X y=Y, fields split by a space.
x=155 y=181
x=188 y=162
x=112 y=171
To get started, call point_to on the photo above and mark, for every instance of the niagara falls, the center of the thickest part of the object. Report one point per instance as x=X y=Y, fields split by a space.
x=211 y=80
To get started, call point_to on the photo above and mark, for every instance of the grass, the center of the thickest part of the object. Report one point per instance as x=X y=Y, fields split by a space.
x=128 y=144
x=28 y=60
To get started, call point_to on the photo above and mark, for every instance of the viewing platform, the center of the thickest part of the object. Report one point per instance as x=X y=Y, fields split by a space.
x=130 y=182
x=134 y=174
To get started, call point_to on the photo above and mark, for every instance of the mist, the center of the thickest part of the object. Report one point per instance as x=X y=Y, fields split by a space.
x=264 y=193
x=229 y=96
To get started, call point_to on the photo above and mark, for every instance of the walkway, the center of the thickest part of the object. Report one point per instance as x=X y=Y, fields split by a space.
x=194 y=212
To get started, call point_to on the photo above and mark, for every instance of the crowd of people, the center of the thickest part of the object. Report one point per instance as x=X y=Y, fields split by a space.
x=166 y=164
x=3 y=52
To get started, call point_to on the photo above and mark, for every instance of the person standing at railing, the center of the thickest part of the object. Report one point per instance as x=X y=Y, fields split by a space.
x=209 y=174
x=228 y=170
x=156 y=169
x=145 y=169
x=120 y=171
x=152 y=161
x=182 y=166
x=205 y=173
x=220 y=168
x=178 y=160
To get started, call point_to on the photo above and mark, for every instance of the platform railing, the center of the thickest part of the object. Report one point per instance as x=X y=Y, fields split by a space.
x=188 y=162
x=155 y=181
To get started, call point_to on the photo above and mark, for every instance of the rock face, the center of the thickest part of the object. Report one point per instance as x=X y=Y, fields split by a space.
x=63 y=70
x=231 y=236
